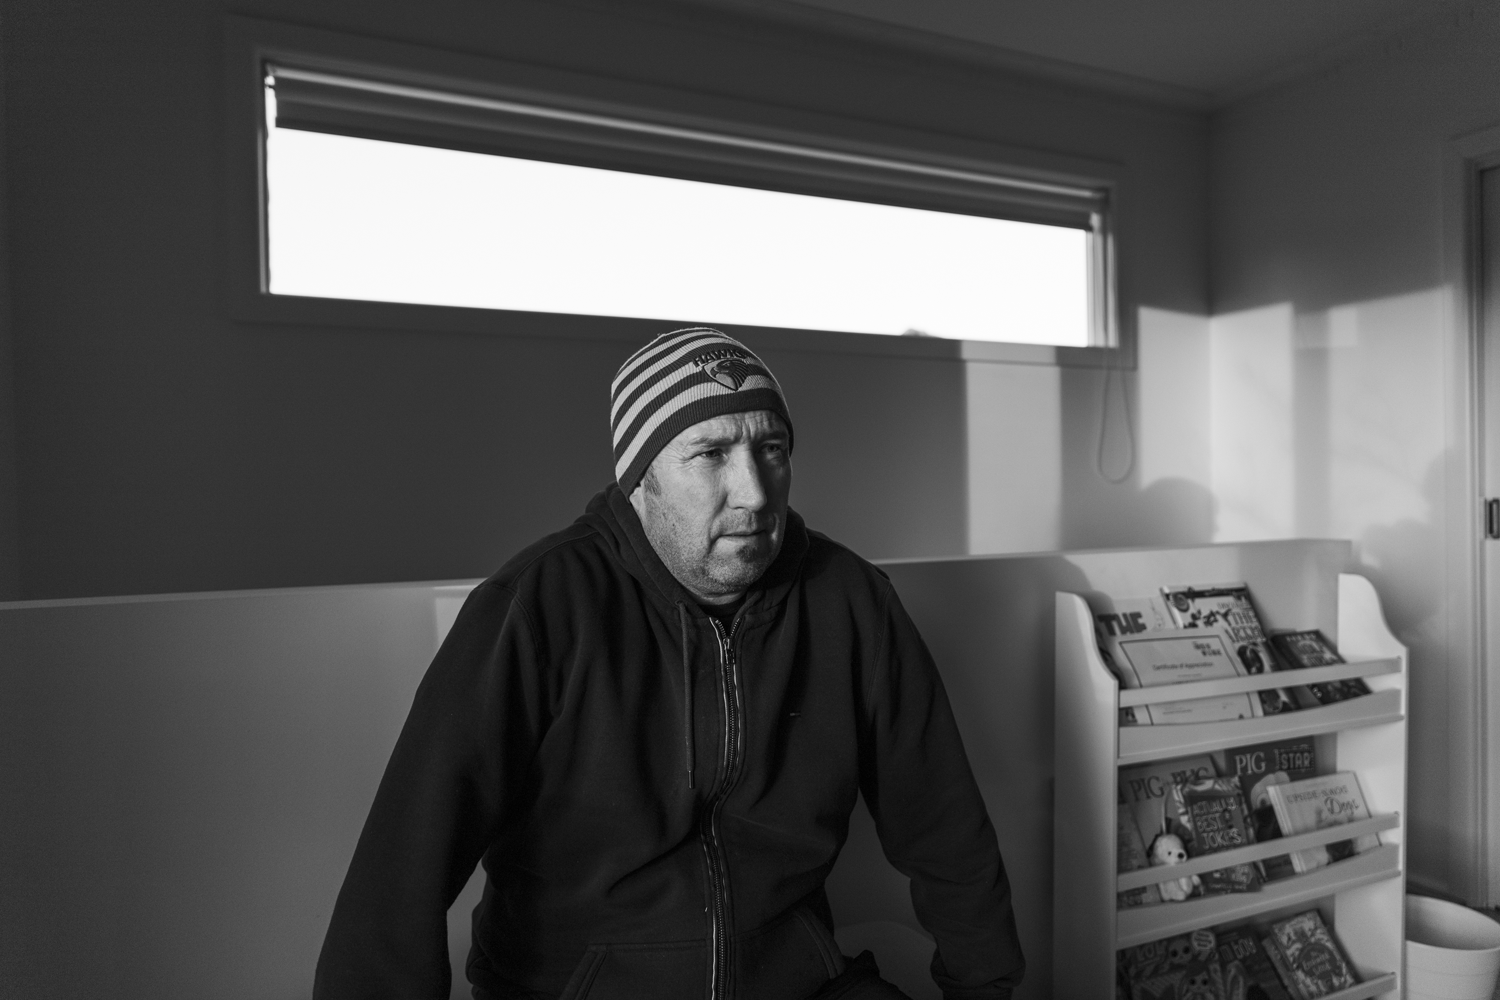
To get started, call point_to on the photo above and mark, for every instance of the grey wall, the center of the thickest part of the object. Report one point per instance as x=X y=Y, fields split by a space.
x=1337 y=336
x=163 y=445
x=10 y=580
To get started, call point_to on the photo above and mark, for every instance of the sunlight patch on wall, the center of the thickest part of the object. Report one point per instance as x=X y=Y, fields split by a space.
x=1251 y=426
x=1015 y=457
x=1387 y=414
x=1174 y=397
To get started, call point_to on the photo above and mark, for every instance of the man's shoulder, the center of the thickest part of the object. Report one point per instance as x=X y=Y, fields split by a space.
x=554 y=558
x=829 y=563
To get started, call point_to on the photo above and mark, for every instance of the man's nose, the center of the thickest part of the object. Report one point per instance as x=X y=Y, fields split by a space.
x=747 y=490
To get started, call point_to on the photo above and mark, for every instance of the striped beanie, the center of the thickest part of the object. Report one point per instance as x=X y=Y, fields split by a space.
x=676 y=381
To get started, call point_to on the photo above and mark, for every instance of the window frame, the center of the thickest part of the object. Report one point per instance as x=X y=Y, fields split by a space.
x=252 y=44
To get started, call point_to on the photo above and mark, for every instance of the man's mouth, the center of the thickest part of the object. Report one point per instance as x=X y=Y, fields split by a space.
x=748 y=533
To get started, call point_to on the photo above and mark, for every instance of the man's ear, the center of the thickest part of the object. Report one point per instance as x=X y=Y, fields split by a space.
x=638 y=500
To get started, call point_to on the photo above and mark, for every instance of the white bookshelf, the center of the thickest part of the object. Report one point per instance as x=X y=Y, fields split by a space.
x=1361 y=898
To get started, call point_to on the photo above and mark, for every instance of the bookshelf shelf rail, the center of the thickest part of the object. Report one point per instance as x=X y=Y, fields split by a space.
x=1259 y=682
x=1372 y=987
x=1150 y=923
x=1257 y=852
x=1139 y=744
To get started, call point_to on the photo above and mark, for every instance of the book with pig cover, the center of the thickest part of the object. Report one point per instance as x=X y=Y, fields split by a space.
x=1142 y=649
x=1130 y=855
x=1146 y=794
x=1228 y=607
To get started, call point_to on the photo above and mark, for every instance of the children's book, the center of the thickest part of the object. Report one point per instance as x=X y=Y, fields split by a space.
x=1185 y=967
x=1255 y=768
x=1139 y=645
x=1310 y=648
x=1314 y=964
x=1278 y=962
x=1130 y=853
x=1316 y=804
x=1228 y=607
x=1145 y=792
x=1179 y=656
x=1215 y=813
x=1248 y=972
x=1252 y=765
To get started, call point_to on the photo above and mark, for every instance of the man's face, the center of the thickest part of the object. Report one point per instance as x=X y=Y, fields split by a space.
x=713 y=502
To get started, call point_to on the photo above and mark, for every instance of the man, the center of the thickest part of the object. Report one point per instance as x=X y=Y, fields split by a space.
x=651 y=728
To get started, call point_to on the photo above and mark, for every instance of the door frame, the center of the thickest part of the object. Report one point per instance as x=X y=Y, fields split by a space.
x=1473 y=694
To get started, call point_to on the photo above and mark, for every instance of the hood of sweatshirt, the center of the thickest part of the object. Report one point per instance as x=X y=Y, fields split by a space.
x=611 y=515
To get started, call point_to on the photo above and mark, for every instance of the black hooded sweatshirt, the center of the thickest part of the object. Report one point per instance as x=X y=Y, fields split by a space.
x=657 y=797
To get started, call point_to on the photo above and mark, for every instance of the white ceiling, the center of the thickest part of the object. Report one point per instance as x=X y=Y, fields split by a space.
x=1192 y=52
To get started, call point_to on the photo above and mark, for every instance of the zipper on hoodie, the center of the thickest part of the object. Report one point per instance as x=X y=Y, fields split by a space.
x=718 y=875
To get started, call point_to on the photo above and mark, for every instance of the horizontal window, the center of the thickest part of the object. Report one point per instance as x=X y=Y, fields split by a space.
x=386 y=192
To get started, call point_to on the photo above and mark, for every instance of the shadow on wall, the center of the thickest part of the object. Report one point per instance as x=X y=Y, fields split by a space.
x=1405 y=559
x=1138 y=442
x=1169 y=512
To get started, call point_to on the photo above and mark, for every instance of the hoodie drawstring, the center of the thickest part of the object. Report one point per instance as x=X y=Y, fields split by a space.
x=687 y=692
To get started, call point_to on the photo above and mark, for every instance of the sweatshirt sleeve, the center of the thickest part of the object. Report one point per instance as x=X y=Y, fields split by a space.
x=471 y=732
x=932 y=821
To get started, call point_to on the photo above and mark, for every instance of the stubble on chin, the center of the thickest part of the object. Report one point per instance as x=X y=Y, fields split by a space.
x=733 y=567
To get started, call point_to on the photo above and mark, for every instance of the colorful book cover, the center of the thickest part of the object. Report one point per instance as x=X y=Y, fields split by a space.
x=1314 y=961
x=1310 y=648
x=1126 y=629
x=1248 y=972
x=1215 y=813
x=1185 y=967
x=1228 y=606
x=1278 y=962
x=1145 y=792
x=1258 y=766
x=1252 y=765
x=1316 y=804
x=1130 y=855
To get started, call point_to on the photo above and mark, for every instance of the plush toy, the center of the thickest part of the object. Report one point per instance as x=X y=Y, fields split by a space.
x=1167 y=849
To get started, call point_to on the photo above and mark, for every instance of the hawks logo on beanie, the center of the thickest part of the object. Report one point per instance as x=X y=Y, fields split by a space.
x=676 y=381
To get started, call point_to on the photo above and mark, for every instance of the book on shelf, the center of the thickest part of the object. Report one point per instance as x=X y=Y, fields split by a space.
x=1229 y=607
x=1130 y=855
x=1142 y=649
x=1258 y=766
x=1146 y=793
x=1185 y=967
x=1316 y=804
x=1308 y=956
x=1311 y=648
x=1115 y=617
x=1248 y=972
x=1215 y=813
